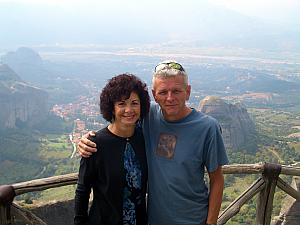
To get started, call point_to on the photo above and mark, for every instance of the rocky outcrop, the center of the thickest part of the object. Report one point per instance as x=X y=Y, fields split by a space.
x=20 y=103
x=56 y=212
x=290 y=210
x=238 y=129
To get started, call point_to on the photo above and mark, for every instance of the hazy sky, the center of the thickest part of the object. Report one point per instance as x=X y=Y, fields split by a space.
x=274 y=10
x=130 y=21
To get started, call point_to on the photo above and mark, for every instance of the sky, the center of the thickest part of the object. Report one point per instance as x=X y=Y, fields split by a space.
x=273 y=10
x=284 y=11
x=29 y=22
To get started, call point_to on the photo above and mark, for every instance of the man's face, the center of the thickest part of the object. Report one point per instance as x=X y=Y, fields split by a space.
x=171 y=93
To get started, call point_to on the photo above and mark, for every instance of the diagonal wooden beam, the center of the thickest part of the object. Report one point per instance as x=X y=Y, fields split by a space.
x=25 y=215
x=288 y=189
x=236 y=205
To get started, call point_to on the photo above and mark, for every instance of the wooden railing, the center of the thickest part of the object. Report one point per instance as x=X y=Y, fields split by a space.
x=264 y=186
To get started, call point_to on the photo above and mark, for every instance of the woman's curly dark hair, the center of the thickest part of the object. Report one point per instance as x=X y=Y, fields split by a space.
x=120 y=87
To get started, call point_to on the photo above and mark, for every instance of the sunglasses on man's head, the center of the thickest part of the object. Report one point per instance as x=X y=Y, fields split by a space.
x=168 y=65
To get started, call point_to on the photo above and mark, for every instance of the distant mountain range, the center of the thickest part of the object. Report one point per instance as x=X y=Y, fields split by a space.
x=63 y=79
x=28 y=64
x=234 y=80
x=34 y=70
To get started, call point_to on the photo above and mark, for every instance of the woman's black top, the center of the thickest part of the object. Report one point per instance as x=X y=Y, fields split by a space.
x=117 y=173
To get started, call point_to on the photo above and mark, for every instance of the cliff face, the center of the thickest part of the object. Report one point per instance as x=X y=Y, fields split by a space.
x=290 y=209
x=56 y=212
x=238 y=129
x=20 y=103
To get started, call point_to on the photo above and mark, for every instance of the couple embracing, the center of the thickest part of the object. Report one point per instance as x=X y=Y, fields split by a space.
x=161 y=148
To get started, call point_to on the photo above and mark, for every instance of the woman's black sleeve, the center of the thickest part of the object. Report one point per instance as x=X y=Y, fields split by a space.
x=85 y=183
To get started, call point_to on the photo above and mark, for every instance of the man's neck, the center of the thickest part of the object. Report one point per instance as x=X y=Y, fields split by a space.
x=186 y=111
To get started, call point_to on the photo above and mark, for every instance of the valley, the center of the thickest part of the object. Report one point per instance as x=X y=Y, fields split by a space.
x=267 y=90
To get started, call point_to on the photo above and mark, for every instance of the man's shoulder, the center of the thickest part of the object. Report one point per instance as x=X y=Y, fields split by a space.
x=206 y=120
x=204 y=117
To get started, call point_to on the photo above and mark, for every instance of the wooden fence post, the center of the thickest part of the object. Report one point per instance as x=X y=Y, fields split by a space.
x=266 y=196
x=7 y=195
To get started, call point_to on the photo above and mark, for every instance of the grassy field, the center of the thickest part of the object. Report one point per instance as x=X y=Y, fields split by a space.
x=55 y=147
x=61 y=193
x=32 y=156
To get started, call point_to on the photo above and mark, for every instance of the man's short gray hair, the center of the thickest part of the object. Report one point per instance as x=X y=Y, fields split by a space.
x=169 y=68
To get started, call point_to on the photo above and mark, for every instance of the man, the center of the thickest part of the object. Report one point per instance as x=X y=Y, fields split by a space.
x=180 y=142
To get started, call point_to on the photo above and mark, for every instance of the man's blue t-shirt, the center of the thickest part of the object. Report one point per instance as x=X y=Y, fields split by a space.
x=177 y=153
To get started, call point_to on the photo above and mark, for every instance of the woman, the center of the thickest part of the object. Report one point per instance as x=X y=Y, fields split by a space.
x=117 y=172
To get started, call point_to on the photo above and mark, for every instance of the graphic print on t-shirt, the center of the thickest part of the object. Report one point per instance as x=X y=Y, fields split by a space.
x=166 y=145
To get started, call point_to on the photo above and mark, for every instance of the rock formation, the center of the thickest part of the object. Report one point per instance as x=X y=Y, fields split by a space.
x=28 y=64
x=20 y=103
x=56 y=212
x=58 y=79
x=238 y=129
x=290 y=210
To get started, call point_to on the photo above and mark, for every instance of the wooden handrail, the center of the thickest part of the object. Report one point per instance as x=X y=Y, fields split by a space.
x=257 y=168
x=68 y=179
x=260 y=186
x=45 y=183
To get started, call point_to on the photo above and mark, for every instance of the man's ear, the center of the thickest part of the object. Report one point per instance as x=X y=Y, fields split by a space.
x=188 y=92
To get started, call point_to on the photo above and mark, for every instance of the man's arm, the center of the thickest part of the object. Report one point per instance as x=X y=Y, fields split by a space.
x=86 y=147
x=216 y=181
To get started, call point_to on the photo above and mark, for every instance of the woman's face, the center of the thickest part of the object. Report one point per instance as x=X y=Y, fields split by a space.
x=127 y=111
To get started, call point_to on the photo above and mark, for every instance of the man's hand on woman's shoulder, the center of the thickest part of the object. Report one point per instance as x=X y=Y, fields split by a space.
x=86 y=147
